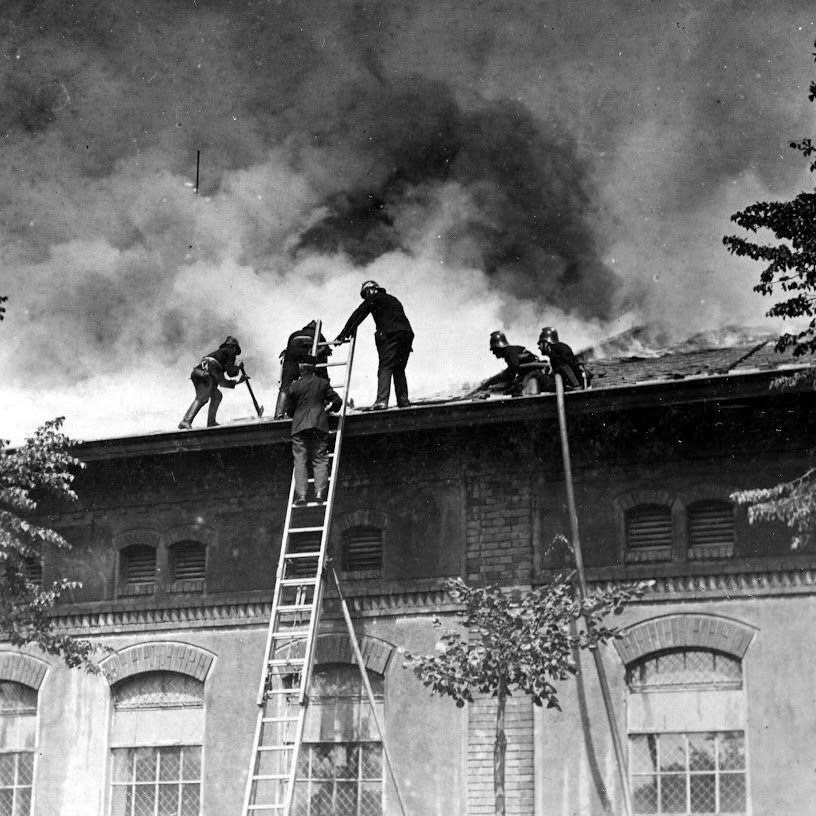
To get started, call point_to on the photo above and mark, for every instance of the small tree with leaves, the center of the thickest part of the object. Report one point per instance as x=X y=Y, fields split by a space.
x=789 y=270
x=39 y=468
x=516 y=642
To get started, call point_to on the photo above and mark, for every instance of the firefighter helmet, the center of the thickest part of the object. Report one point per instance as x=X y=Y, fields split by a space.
x=498 y=340
x=231 y=341
x=368 y=288
x=548 y=335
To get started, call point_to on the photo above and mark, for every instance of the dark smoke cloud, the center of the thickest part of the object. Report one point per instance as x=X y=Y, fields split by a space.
x=518 y=161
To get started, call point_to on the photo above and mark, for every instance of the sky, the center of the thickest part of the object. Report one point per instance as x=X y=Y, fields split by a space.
x=493 y=164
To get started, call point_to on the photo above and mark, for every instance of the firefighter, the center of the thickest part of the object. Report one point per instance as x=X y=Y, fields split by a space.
x=298 y=348
x=563 y=360
x=393 y=336
x=307 y=399
x=218 y=368
x=525 y=374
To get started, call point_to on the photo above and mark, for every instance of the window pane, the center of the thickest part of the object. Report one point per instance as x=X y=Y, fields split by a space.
x=322 y=765
x=732 y=793
x=732 y=751
x=122 y=764
x=144 y=800
x=120 y=801
x=643 y=753
x=6 y=802
x=644 y=794
x=686 y=667
x=320 y=799
x=190 y=799
x=672 y=752
x=703 y=799
x=17 y=698
x=371 y=756
x=169 y=764
x=701 y=752
x=145 y=762
x=22 y=803
x=8 y=763
x=168 y=800
x=371 y=799
x=346 y=799
x=345 y=757
x=673 y=793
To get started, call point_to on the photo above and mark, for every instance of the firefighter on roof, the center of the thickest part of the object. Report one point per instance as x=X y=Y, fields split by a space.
x=563 y=359
x=298 y=348
x=218 y=368
x=393 y=336
x=525 y=373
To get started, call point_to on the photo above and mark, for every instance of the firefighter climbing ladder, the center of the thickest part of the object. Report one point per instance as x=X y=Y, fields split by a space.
x=283 y=692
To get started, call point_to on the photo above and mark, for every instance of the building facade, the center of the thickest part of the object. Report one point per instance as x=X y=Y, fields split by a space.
x=176 y=536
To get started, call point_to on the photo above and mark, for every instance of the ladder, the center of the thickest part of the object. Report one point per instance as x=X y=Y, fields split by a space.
x=291 y=638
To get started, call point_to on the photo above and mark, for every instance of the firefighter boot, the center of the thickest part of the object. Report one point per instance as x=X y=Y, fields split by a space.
x=383 y=390
x=215 y=401
x=187 y=422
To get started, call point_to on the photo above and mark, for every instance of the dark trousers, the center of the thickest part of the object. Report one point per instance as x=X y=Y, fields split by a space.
x=311 y=447
x=394 y=350
x=206 y=390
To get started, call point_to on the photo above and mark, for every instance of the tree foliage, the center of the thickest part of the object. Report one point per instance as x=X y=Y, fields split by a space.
x=516 y=642
x=789 y=270
x=41 y=467
x=790 y=261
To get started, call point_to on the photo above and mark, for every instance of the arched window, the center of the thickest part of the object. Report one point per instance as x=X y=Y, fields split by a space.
x=18 y=718
x=340 y=767
x=137 y=570
x=710 y=529
x=649 y=533
x=687 y=733
x=362 y=550
x=156 y=740
x=187 y=564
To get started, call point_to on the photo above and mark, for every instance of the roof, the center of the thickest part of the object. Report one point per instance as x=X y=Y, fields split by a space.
x=667 y=376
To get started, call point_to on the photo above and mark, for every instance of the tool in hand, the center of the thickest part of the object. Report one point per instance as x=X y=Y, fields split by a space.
x=258 y=408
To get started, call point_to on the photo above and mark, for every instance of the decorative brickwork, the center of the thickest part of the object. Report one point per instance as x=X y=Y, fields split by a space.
x=157 y=656
x=689 y=631
x=189 y=532
x=519 y=764
x=336 y=647
x=22 y=668
x=130 y=537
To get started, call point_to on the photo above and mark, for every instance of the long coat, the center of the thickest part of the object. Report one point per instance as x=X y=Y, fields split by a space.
x=307 y=400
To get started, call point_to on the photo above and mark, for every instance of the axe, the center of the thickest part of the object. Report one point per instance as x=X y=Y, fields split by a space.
x=259 y=409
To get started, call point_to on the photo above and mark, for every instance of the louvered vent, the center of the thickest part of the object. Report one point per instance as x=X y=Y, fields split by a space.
x=34 y=571
x=189 y=561
x=140 y=566
x=362 y=549
x=649 y=533
x=711 y=529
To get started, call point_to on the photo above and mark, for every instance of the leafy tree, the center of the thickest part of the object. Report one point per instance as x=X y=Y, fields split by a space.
x=790 y=269
x=516 y=642
x=41 y=467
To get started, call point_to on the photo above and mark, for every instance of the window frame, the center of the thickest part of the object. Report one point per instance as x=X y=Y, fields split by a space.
x=347 y=538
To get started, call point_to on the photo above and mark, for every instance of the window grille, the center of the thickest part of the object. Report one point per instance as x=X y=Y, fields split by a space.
x=711 y=529
x=34 y=571
x=362 y=550
x=151 y=780
x=340 y=766
x=697 y=772
x=16 y=782
x=139 y=570
x=685 y=668
x=15 y=698
x=649 y=533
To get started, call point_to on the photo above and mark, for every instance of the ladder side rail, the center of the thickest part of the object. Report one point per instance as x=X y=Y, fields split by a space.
x=313 y=623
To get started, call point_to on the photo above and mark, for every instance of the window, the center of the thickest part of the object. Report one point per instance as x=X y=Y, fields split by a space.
x=138 y=570
x=18 y=717
x=649 y=533
x=710 y=529
x=187 y=566
x=157 y=733
x=340 y=767
x=34 y=571
x=362 y=550
x=686 y=733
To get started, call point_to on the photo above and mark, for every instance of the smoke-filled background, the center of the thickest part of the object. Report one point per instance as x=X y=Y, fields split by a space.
x=494 y=164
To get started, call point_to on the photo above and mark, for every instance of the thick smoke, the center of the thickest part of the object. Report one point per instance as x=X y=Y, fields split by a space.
x=498 y=165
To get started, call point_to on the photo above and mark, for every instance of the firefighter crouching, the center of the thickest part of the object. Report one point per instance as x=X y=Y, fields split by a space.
x=218 y=368
x=525 y=373
x=563 y=360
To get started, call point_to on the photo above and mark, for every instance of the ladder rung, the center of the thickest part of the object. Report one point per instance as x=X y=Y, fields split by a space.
x=293 y=692
x=283 y=661
x=266 y=807
x=279 y=719
x=293 y=556
x=274 y=748
x=290 y=633
x=332 y=365
x=317 y=529
x=294 y=608
x=298 y=582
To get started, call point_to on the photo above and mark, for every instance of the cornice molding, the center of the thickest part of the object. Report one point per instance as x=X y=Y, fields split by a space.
x=391 y=600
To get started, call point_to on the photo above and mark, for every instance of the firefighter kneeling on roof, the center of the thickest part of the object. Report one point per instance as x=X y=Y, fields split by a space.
x=563 y=360
x=525 y=374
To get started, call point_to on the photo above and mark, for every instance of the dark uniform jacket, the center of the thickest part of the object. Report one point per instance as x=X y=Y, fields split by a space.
x=298 y=348
x=307 y=400
x=389 y=316
x=217 y=364
x=514 y=357
x=563 y=359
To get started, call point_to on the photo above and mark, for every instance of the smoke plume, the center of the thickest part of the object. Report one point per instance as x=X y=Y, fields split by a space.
x=495 y=165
